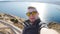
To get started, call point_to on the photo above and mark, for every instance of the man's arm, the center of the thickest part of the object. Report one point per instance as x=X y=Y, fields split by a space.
x=43 y=25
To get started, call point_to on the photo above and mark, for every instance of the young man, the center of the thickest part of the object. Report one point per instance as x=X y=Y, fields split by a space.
x=33 y=25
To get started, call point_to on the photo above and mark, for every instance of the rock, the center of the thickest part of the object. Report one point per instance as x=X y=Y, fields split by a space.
x=55 y=26
x=17 y=21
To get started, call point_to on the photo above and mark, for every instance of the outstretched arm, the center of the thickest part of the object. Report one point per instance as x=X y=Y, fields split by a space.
x=43 y=25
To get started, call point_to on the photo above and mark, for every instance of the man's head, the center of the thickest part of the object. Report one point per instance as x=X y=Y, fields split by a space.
x=32 y=14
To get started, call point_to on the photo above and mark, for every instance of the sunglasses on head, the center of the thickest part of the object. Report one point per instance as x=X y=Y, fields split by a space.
x=29 y=13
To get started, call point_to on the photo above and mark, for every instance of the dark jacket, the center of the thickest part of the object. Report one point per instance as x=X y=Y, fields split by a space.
x=32 y=29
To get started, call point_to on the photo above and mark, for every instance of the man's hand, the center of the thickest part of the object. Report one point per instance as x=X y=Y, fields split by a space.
x=48 y=31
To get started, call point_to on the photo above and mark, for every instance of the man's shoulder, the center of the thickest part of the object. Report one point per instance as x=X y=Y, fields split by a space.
x=26 y=20
x=26 y=23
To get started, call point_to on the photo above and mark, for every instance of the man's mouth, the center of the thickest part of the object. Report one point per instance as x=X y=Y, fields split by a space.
x=32 y=18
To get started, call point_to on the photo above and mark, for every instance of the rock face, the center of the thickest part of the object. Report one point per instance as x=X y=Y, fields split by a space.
x=55 y=26
x=11 y=19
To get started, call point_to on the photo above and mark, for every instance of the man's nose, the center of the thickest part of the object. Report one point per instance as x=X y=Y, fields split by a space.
x=31 y=15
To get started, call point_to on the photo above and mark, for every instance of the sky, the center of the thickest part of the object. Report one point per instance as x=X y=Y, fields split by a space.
x=30 y=0
x=48 y=12
x=43 y=1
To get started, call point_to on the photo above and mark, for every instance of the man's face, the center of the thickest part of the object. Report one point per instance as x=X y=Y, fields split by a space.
x=32 y=15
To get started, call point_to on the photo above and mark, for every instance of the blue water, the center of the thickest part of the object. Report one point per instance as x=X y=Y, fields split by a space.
x=52 y=13
x=20 y=9
x=14 y=8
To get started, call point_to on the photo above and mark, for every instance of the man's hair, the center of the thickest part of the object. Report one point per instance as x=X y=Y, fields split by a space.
x=31 y=7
